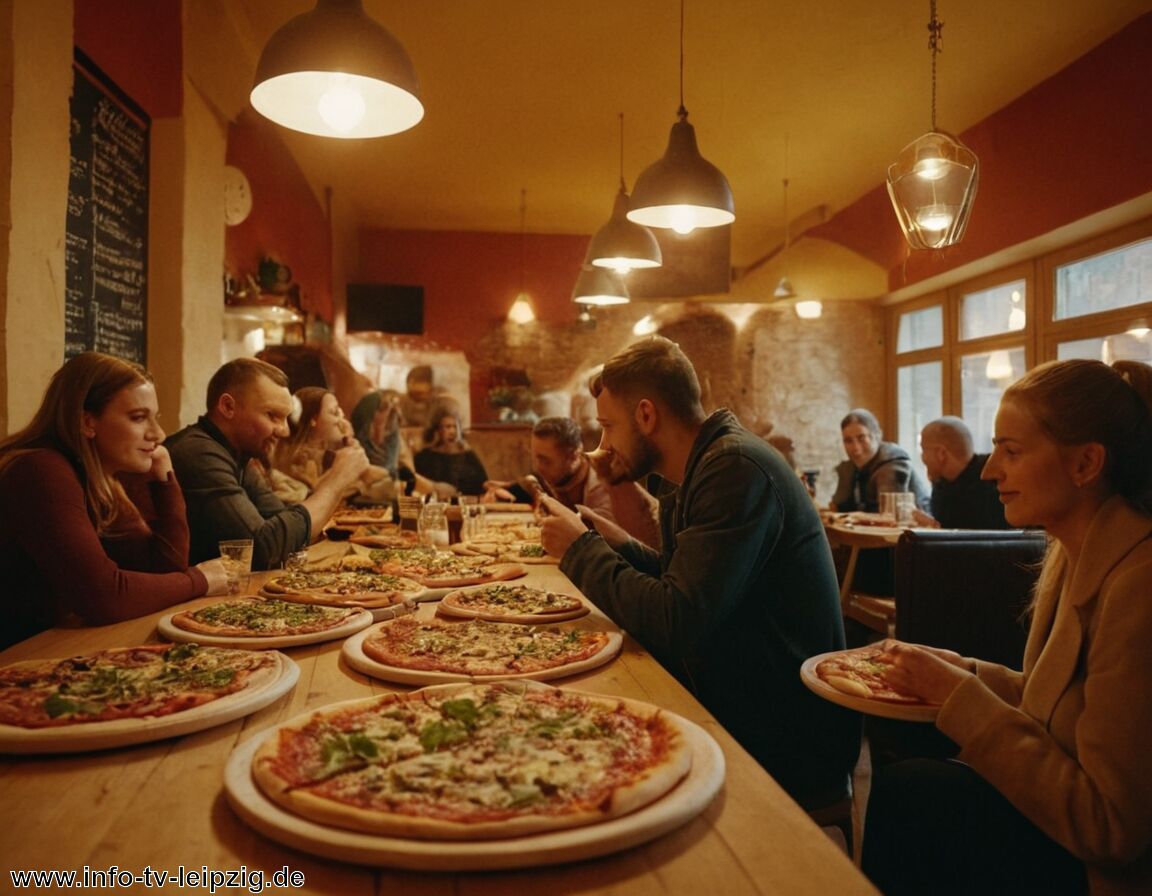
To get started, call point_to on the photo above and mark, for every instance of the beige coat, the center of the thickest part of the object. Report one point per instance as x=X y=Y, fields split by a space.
x=1069 y=741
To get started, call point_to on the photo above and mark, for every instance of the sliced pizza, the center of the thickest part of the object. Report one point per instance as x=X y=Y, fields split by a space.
x=343 y=588
x=860 y=673
x=145 y=682
x=473 y=762
x=361 y=516
x=410 y=649
x=444 y=569
x=263 y=618
x=512 y=603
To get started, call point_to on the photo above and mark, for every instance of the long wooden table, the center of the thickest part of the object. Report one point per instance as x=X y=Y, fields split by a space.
x=161 y=806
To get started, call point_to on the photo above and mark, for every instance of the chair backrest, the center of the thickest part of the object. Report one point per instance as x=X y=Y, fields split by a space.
x=967 y=590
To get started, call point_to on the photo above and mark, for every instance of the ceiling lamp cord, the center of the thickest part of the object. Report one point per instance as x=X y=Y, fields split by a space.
x=521 y=311
x=682 y=190
x=620 y=245
x=932 y=183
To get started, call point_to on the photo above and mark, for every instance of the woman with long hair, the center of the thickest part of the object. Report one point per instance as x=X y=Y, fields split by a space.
x=317 y=429
x=1051 y=792
x=92 y=525
x=447 y=459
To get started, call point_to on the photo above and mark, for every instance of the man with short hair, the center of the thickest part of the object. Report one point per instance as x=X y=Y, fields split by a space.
x=564 y=471
x=742 y=590
x=960 y=498
x=227 y=496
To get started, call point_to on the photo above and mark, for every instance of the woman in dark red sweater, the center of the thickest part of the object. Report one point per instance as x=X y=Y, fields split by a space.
x=92 y=525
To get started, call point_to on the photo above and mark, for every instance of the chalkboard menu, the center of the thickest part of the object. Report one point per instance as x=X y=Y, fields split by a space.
x=106 y=249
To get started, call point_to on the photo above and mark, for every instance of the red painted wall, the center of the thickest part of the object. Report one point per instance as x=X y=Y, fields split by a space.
x=138 y=45
x=287 y=220
x=471 y=279
x=1076 y=144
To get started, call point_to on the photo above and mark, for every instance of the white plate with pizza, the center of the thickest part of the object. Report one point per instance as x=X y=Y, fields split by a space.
x=131 y=695
x=512 y=602
x=441 y=569
x=412 y=649
x=573 y=794
x=263 y=623
x=364 y=589
x=854 y=679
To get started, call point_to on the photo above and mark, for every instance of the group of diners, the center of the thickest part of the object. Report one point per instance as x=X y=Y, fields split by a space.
x=102 y=518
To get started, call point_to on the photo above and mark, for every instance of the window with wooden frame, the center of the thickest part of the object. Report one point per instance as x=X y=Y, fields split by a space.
x=956 y=351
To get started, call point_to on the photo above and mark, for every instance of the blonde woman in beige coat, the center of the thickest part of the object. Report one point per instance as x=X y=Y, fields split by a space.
x=1052 y=790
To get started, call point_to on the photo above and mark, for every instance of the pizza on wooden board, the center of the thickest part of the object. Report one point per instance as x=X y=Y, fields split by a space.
x=473 y=761
x=387 y=535
x=443 y=569
x=263 y=618
x=143 y=682
x=479 y=648
x=860 y=673
x=503 y=602
x=343 y=588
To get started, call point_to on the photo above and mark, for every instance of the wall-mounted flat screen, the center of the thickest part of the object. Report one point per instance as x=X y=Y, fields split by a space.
x=386 y=308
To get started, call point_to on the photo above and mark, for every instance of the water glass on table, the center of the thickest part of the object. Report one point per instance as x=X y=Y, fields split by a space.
x=236 y=555
x=432 y=526
x=898 y=506
x=472 y=517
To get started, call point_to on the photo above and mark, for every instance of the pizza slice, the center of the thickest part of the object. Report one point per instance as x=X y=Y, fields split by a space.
x=386 y=535
x=860 y=673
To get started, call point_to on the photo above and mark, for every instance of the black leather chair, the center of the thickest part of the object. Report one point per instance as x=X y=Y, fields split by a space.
x=964 y=589
x=967 y=590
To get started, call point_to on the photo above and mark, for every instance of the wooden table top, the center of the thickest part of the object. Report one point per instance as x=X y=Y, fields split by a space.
x=161 y=805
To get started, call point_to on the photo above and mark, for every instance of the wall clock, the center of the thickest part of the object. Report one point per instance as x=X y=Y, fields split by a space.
x=237 y=195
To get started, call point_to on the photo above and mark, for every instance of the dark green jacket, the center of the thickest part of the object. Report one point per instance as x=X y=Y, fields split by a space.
x=743 y=592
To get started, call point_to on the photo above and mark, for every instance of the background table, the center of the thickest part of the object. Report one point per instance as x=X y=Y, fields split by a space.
x=161 y=805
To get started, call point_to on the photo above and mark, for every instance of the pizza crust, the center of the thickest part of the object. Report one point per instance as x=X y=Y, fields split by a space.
x=669 y=760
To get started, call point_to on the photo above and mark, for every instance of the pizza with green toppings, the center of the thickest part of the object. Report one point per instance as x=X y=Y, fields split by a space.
x=443 y=569
x=473 y=761
x=257 y=618
x=476 y=648
x=343 y=588
x=505 y=602
x=143 y=682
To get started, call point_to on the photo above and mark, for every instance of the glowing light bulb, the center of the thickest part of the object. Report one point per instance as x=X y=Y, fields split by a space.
x=341 y=106
x=930 y=168
x=645 y=326
x=683 y=219
x=937 y=216
x=809 y=309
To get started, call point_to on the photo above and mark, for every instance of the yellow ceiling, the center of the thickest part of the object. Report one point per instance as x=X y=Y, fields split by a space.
x=527 y=94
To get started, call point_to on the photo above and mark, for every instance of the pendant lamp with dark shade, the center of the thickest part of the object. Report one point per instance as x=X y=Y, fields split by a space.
x=682 y=190
x=599 y=286
x=622 y=245
x=932 y=183
x=335 y=72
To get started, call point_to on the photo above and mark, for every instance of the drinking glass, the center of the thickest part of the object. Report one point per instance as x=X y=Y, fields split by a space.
x=408 y=507
x=236 y=554
x=471 y=517
x=433 y=526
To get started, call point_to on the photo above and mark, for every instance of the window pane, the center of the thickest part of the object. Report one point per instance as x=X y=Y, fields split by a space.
x=1132 y=346
x=920 y=329
x=992 y=311
x=1115 y=279
x=983 y=379
x=918 y=401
